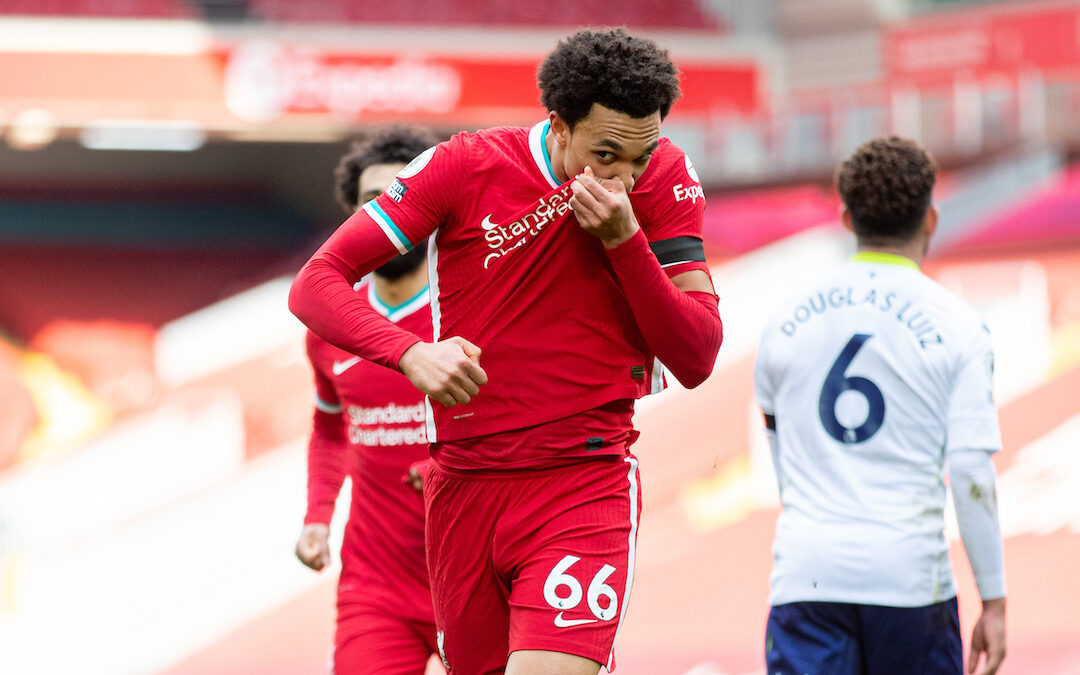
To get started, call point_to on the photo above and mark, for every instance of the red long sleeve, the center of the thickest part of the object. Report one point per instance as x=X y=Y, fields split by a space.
x=683 y=329
x=322 y=297
x=326 y=466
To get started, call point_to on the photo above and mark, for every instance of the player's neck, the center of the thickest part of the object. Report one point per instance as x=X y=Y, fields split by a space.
x=399 y=291
x=914 y=250
x=555 y=153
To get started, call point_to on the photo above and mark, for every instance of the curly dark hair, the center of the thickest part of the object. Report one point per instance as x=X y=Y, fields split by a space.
x=385 y=145
x=886 y=185
x=627 y=74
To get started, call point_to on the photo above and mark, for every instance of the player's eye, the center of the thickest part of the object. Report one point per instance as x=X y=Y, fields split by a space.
x=644 y=159
x=605 y=156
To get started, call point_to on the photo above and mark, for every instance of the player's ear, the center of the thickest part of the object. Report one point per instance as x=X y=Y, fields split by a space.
x=931 y=221
x=560 y=130
x=845 y=218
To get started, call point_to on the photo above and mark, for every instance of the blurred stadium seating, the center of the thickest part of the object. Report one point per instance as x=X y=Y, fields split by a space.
x=638 y=13
x=147 y=9
x=165 y=167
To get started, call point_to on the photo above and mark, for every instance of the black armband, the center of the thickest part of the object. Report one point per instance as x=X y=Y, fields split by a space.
x=678 y=250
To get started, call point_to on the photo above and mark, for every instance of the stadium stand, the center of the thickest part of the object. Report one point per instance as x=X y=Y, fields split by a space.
x=147 y=9
x=637 y=13
x=765 y=216
x=1048 y=218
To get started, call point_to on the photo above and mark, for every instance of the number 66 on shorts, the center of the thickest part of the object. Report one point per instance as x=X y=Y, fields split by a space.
x=597 y=589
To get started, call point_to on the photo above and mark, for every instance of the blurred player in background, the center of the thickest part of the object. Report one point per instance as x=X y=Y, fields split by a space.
x=567 y=258
x=369 y=424
x=871 y=382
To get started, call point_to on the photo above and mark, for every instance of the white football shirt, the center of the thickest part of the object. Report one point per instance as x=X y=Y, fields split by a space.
x=870 y=378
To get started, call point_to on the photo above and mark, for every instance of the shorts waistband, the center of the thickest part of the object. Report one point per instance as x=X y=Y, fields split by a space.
x=565 y=466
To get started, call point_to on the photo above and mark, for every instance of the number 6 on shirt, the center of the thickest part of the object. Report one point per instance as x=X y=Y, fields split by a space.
x=837 y=383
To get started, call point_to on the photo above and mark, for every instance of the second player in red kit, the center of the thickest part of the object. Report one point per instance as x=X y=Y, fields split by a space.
x=566 y=265
x=370 y=424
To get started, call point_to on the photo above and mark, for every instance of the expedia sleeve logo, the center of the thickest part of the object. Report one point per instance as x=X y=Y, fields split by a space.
x=692 y=192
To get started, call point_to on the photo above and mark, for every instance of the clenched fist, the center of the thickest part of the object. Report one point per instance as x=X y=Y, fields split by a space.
x=313 y=547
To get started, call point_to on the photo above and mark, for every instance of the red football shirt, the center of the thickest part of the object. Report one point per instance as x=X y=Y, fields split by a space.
x=513 y=273
x=380 y=433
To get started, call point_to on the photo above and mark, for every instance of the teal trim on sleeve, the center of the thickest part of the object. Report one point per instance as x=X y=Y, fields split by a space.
x=392 y=225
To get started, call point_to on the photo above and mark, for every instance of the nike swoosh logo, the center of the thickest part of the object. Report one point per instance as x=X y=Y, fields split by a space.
x=487 y=224
x=566 y=623
x=340 y=367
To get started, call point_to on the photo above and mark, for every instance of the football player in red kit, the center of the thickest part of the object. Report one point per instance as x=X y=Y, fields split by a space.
x=566 y=265
x=369 y=424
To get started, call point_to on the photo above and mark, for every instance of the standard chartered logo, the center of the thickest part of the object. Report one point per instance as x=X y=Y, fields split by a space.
x=382 y=437
x=389 y=414
x=370 y=426
x=504 y=239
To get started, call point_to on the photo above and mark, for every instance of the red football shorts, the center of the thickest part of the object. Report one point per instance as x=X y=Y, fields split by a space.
x=531 y=560
x=371 y=641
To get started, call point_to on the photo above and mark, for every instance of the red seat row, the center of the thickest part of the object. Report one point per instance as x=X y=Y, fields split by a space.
x=151 y=9
x=634 y=13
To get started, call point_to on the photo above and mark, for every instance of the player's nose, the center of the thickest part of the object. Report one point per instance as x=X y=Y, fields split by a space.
x=623 y=173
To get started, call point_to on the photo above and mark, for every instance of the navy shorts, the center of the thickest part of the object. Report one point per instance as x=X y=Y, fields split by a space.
x=835 y=638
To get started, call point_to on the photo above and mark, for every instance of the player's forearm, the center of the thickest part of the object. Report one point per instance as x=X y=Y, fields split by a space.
x=683 y=329
x=326 y=466
x=322 y=297
x=971 y=474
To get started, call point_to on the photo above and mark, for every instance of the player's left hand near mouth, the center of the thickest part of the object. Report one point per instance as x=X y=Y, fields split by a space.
x=603 y=209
